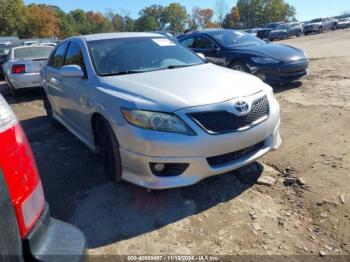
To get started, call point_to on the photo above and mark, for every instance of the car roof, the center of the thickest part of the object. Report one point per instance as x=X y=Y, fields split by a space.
x=103 y=36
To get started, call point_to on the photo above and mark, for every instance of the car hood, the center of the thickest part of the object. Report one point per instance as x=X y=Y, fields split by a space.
x=283 y=53
x=174 y=89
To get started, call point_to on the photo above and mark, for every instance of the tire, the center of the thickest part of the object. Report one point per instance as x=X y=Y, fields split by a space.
x=306 y=33
x=109 y=150
x=10 y=87
x=334 y=27
x=299 y=34
x=239 y=66
x=320 y=30
x=49 y=112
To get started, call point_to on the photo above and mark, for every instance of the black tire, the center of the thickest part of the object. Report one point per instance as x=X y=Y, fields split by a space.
x=10 y=87
x=306 y=33
x=109 y=150
x=320 y=30
x=299 y=34
x=239 y=66
x=49 y=112
x=334 y=27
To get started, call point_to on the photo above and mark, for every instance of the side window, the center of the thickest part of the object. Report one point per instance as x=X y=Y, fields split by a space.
x=202 y=43
x=57 y=58
x=74 y=56
x=188 y=42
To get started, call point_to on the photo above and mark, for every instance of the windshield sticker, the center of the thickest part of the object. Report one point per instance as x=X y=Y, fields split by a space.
x=163 y=42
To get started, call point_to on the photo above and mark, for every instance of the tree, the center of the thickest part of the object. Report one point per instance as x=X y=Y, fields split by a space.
x=147 y=23
x=151 y=18
x=203 y=17
x=42 y=21
x=13 y=17
x=221 y=8
x=81 y=21
x=232 y=19
x=175 y=17
x=255 y=13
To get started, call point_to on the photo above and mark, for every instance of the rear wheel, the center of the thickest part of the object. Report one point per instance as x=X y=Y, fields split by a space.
x=239 y=66
x=49 y=112
x=109 y=150
x=10 y=87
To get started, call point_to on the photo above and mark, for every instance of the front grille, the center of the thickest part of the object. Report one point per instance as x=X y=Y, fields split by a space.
x=221 y=122
x=216 y=161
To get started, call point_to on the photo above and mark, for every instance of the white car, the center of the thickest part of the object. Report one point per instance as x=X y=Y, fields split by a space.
x=23 y=66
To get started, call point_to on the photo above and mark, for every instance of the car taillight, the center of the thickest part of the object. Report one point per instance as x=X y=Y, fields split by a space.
x=20 y=171
x=18 y=69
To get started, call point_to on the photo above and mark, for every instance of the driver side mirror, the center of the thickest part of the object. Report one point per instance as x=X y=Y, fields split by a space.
x=71 y=71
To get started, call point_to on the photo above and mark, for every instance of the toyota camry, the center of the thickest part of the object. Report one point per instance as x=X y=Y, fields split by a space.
x=159 y=114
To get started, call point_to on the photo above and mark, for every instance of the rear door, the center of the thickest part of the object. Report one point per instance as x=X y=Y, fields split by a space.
x=10 y=241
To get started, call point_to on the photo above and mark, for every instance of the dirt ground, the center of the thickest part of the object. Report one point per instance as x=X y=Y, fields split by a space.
x=229 y=214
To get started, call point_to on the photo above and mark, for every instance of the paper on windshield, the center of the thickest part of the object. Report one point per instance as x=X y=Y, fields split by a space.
x=163 y=42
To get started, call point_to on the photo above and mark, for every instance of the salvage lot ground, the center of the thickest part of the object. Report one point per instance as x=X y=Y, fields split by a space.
x=227 y=214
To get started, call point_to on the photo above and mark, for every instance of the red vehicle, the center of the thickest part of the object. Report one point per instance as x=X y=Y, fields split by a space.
x=28 y=232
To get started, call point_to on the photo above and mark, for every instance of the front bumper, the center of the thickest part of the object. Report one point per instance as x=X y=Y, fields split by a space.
x=54 y=240
x=27 y=80
x=282 y=73
x=139 y=148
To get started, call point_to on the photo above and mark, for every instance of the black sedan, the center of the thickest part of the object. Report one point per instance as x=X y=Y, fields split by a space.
x=273 y=63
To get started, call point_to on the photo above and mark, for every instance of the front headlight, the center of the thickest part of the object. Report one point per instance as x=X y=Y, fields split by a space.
x=264 y=60
x=305 y=54
x=157 y=121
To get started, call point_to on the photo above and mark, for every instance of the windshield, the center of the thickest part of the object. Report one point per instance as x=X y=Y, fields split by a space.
x=4 y=50
x=273 y=25
x=139 y=54
x=231 y=38
x=282 y=27
x=318 y=20
x=32 y=52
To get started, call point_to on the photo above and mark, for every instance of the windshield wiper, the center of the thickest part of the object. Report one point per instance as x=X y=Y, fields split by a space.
x=124 y=73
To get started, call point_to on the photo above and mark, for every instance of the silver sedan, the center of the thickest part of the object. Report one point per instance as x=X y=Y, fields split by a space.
x=23 y=66
x=159 y=114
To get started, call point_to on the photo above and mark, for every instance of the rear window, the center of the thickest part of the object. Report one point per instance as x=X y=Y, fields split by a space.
x=32 y=52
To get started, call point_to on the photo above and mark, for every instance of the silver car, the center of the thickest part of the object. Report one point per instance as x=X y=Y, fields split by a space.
x=160 y=115
x=23 y=66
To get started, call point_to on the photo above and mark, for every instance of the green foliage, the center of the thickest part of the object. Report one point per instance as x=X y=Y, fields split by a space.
x=13 y=17
x=175 y=16
x=259 y=12
x=39 y=20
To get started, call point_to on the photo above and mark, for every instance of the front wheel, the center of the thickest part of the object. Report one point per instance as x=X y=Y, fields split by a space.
x=239 y=66
x=320 y=30
x=109 y=149
x=299 y=34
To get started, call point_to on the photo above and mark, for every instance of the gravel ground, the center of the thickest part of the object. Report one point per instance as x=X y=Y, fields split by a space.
x=306 y=210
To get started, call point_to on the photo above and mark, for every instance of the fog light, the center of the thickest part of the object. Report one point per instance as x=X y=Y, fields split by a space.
x=159 y=167
x=168 y=169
